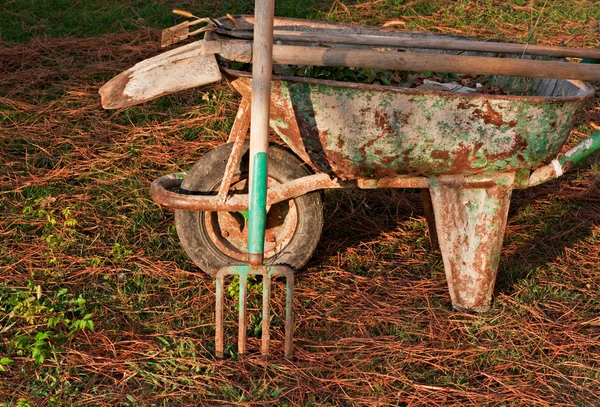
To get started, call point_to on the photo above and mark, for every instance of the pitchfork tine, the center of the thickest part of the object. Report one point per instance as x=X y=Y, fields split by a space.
x=289 y=313
x=266 y=313
x=219 y=314
x=242 y=316
x=267 y=273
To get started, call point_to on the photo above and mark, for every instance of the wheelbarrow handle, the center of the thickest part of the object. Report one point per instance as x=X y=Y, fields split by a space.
x=561 y=164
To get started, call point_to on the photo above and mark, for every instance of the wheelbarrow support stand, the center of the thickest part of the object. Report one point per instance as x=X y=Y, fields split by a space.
x=471 y=218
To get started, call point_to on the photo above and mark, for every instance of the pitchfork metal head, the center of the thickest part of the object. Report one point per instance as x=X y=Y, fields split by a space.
x=267 y=273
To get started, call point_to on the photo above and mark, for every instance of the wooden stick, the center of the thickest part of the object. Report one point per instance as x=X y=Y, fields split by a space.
x=415 y=61
x=262 y=52
x=428 y=43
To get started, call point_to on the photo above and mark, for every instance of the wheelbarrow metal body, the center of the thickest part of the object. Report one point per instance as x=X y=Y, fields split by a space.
x=352 y=131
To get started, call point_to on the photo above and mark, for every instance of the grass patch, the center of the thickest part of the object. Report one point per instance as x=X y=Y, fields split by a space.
x=99 y=305
x=24 y=19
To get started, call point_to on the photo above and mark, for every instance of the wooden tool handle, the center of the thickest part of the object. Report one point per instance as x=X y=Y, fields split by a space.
x=428 y=43
x=413 y=61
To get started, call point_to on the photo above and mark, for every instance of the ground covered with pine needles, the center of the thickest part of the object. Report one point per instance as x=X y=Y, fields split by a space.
x=99 y=306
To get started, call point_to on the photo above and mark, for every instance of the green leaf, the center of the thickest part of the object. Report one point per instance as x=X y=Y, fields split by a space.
x=5 y=361
x=164 y=341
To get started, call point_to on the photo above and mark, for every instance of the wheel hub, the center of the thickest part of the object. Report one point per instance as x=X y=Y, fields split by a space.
x=228 y=231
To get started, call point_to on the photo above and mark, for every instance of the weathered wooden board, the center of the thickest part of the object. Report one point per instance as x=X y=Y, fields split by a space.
x=173 y=71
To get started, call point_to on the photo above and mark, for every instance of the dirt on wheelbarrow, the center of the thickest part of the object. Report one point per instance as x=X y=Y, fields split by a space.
x=82 y=241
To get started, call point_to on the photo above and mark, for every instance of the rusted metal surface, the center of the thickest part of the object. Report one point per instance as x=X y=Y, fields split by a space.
x=392 y=182
x=469 y=150
x=267 y=273
x=241 y=124
x=430 y=218
x=470 y=226
x=369 y=131
x=228 y=231
x=237 y=136
x=159 y=190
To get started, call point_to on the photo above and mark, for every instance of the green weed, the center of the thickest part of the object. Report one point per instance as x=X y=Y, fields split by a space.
x=42 y=322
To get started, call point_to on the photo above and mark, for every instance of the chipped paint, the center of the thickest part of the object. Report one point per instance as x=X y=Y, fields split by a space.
x=470 y=223
x=354 y=131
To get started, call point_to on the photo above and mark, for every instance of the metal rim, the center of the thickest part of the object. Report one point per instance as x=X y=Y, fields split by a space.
x=228 y=233
x=588 y=90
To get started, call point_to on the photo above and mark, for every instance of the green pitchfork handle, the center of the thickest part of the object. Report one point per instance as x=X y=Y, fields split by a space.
x=257 y=213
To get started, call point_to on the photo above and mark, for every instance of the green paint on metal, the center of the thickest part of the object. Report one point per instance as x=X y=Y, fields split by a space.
x=522 y=178
x=258 y=205
x=245 y=213
x=582 y=150
x=379 y=133
x=279 y=122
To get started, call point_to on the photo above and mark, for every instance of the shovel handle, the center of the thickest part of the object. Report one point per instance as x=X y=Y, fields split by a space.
x=427 y=43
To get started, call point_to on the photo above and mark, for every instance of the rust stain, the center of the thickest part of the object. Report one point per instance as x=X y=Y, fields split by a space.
x=490 y=116
x=440 y=154
x=476 y=146
x=400 y=117
x=338 y=161
x=464 y=105
x=382 y=121
x=388 y=159
x=462 y=160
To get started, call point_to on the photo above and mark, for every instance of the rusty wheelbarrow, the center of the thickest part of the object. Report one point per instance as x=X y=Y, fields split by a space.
x=466 y=152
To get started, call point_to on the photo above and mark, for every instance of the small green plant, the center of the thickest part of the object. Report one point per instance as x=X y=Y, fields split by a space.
x=24 y=403
x=4 y=362
x=254 y=289
x=42 y=322
x=119 y=253
x=58 y=226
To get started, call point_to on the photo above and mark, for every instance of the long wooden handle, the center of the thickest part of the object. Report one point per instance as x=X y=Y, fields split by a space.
x=262 y=67
x=428 y=43
x=413 y=61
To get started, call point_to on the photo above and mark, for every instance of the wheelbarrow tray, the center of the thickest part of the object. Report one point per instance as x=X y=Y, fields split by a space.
x=354 y=130
x=351 y=130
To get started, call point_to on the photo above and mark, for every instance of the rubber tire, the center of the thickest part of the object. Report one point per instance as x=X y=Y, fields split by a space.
x=207 y=174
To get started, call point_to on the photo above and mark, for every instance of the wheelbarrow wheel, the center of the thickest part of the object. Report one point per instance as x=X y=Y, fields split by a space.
x=218 y=239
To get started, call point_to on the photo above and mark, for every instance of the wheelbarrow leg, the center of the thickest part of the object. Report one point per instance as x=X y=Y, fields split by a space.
x=430 y=218
x=241 y=123
x=471 y=218
x=237 y=136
